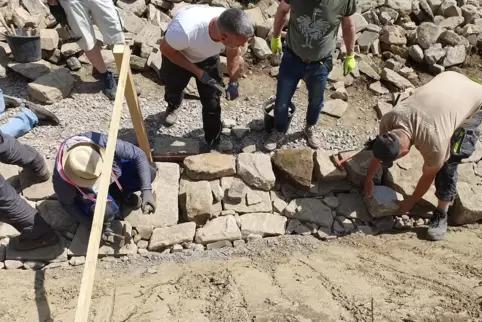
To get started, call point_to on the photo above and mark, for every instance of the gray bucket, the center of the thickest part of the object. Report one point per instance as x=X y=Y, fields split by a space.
x=268 y=107
x=25 y=49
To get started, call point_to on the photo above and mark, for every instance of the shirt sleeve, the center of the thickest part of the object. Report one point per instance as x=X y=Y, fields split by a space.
x=66 y=195
x=176 y=37
x=350 y=8
x=130 y=152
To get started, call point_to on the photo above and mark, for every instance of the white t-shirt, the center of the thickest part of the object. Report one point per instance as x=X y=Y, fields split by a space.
x=188 y=32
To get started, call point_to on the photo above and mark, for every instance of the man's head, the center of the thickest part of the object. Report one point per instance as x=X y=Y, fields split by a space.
x=234 y=27
x=82 y=164
x=391 y=146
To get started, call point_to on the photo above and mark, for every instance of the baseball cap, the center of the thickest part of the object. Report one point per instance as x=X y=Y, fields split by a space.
x=386 y=148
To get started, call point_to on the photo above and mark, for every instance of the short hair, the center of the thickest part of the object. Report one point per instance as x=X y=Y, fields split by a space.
x=236 y=22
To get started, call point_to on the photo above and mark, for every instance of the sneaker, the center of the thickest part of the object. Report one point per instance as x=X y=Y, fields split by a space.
x=170 y=117
x=437 y=227
x=311 y=139
x=273 y=140
x=11 y=101
x=44 y=117
x=110 y=85
x=23 y=243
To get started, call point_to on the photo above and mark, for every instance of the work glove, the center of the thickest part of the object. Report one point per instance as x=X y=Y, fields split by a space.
x=232 y=92
x=349 y=65
x=148 y=204
x=276 y=45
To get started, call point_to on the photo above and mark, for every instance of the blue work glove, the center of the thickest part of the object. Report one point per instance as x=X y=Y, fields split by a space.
x=232 y=92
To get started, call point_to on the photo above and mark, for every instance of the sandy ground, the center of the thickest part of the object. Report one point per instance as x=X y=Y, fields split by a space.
x=290 y=278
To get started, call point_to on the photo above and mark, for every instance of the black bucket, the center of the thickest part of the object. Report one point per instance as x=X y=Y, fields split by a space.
x=269 y=119
x=25 y=49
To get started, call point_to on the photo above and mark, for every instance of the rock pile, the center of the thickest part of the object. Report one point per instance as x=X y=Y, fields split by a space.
x=217 y=200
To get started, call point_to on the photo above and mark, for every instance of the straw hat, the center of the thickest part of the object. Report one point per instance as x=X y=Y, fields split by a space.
x=82 y=164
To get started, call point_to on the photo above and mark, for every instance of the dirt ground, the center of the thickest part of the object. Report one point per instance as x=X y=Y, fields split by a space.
x=290 y=278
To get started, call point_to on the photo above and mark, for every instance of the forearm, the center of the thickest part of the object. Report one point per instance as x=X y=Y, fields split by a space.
x=372 y=169
x=179 y=59
x=235 y=63
x=349 y=36
x=280 y=21
x=422 y=187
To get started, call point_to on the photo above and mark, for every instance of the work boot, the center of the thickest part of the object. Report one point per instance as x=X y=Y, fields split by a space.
x=11 y=101
x=44 y=116
x=437 y=227
x=38 y=168
x=98 y=75
x=23 y=243
x=171 y=114
x=110 y=85
x=311 y=139
x=273 y=140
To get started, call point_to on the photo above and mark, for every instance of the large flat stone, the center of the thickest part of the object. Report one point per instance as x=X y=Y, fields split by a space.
x=31 y=70
x=335 y=107
x=311 y=210
x=325 y=170
x=55 y=215
x=380 y=203
x=295 y=165
x=165 y=187
x=256 y=170
x=168 y=236
x=37 y=191
x=221 y=228
x=210 y=166
x=352 y=206
x=176 y=145
x=11 y=174
x=357 y=167
x=243 y=206
x=262 y=224
x=199 y=201
x=56 y=253
x=52 y=87
x=149 y=35
x=467 y=207
x=395 y=79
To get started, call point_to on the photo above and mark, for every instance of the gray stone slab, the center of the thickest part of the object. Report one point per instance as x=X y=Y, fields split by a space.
x=176 y=146
x=32 y=190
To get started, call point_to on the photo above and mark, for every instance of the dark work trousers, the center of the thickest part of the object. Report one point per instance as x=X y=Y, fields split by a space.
x=447 y=177
x=13 y=209
x=176 y=79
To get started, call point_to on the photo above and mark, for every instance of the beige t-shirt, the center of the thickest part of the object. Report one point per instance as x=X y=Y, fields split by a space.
x=432 y=114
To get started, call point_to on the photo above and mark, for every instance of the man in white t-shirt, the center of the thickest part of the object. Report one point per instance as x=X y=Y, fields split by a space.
x=194 y=39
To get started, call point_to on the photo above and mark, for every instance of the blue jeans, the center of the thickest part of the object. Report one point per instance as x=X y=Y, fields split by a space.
x=21 y=124
x=292 y=70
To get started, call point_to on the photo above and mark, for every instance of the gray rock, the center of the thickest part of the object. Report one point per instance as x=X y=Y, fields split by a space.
x=368 y=70
x=471 y=29
x=378 y=88
x=56 y=216
x=360 y=22
x=303 y=230
x=325 y=234
x=357 y=167
x=454 y=56
x=416 y=53
x=470 y=13
x=32 y=190
x=450 y=38
x=218 y=192
x=366 y=39
x=427 y=34
x=55 y=253
x=138 y=64
x=380 y=203
x=237 y=191
x=293 y=224
x=331 y=202
x=52 y=87
x=260 y=48
x=77 y=260
x=296 y=165
x=262 y=224
x=353 y=206
x=13 y=264
x=402 y=6
x=382 y=108
x=467 y=209
x=340 y=93
x=374 y=28
x=209 y=166
x=219 y=244
x=239 y=132
x=434 y=54
x=393 y=65
x=325 y=170
x=74 y=64
x=243 y=207
x=168 y=236
x=311 y=210
x=117 y=247
x=391 y=35
x=397 y=80
x=32 y=70
x=336 y=73
x=221 y=228
x=256 y=170
x=239 y=243
x=49 y=39
x=335 y=107
x=70 y=49
x=279 y=204
x=177 y=146
x=451 y=22
x=199 y=200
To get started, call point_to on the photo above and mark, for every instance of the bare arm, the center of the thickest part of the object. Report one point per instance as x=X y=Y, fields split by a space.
x=373 y=169
x=349 y=34
x=424 y=183
x=281 y=18
x=235 y=61
x=179 y=59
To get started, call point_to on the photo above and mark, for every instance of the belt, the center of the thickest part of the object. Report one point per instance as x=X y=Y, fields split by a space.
x=307 y=61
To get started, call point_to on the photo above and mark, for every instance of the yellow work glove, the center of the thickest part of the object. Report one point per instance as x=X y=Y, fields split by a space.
x=276 y=45
x=349 y=65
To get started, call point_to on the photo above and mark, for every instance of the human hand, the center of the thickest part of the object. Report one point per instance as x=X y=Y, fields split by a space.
x=148 y=204
x=52 y=2
x=368 y=187
x=349 y=65
x=232 y=92
x=276 y=45
x=404 y=206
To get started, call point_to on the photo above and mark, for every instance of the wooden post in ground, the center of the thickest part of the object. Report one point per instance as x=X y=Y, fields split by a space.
x=133 y=104
x=85 y=293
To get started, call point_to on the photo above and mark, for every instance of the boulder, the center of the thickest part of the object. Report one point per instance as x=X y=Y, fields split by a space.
x=56 y=216
x=434 y=54
x=325 y=170
x=454 y=56
x=256 y=16
x=70 y=49
x=262 y=224
x=391 y=35
x=243 y=206
x=335 y=107
x=450 y=38
x=368 y=70
x=199 y=200
x=380 y=203
x=296 y=165
x=137 y=7
x=467 y=208
x=165 y=188
x=168 y=236
x=132 y=23
x=221 y=228
x=31 y=70
x=416 y=53
x=311 y=210
x=52 y=87
x=256 y=170
x=260 y=48
x=357 y=167
x=395 y=79
x=209 y=166
x=352 y=206
x=49 y=39
x=149 y=35
x=451 y=23
x=427 y=34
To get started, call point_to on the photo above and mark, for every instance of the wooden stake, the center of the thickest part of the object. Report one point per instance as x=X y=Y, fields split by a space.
x=133 y=104
x=85 y=293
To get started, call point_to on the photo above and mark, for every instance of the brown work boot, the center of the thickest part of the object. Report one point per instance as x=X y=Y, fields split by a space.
x=170 y=117
x=311 y=139
x=273 y=140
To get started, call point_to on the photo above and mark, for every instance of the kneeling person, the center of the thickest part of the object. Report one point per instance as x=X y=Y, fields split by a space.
x=77 y=173
x=441 y=120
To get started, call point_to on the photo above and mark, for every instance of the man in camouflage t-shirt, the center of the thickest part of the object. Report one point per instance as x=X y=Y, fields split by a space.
x=312 y=35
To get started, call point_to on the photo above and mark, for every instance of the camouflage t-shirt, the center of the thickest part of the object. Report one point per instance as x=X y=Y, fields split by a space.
x=314 y=24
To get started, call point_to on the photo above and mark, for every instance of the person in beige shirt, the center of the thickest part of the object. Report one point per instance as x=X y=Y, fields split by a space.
x=441 y=120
